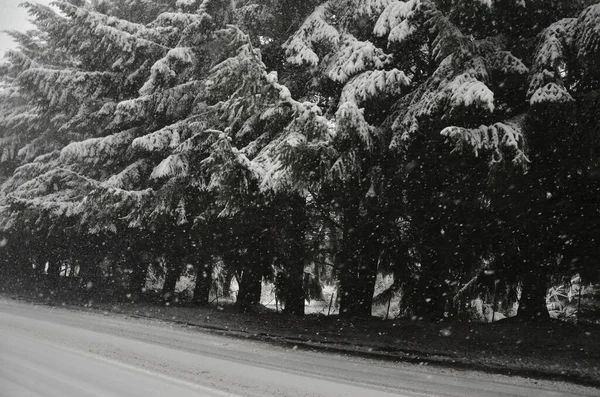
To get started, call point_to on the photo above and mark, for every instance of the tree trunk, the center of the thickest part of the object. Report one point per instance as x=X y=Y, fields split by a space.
x=358 y=267
x=203 y=281
x=429 y=299
x=371 y=250
x=532 y=304
x=171 y=278
x=250 y=288
x=227 y=278
x=358 y=285
x=348 y=262
x=251 y=282
x=431 y=295
x=253 y=270
x=37 y=272
x=294 y=289
x=137 y=279
x=53 y=274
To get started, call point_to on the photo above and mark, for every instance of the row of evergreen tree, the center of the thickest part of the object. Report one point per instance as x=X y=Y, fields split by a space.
x=441 y=141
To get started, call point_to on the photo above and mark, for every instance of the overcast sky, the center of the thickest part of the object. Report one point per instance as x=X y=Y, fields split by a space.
x=13 y=17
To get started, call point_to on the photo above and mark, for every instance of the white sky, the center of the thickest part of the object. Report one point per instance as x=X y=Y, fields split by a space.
x=13 y=17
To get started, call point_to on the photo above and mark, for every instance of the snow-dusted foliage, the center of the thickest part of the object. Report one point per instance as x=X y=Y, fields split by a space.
x=488 y=3
x=95 y=151
x=464 y=90
x=350 y=120
x=120 y=119
x=354 y=57
x=507 y=64
x=300 y=48
x=550 y=61
x=554 y=62
x=373 y=83
x=16 y=117
x=169 y=137
x=30 y=170
x=169 y=115
x=60 y=87
x=450 y=87
x=173 y=166
x=551 y=93
x=237 y=80
x=587 y=40
x=17 y=61
x=111 y=42
x=468 y=73
x=397 y=21
x=169 y=104
x=447 y=37
x=110 y=209
x=314 y=150
x=72 y=98
x=496 y=138
x=136 y=11
x=370 y=8
x=166 y=68
x=132 y=175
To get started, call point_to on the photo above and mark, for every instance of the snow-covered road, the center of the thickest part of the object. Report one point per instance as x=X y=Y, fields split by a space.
x=57 y=352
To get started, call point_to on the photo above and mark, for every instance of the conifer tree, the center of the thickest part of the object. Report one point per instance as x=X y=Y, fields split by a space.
x=533 y=204
x=429 y=139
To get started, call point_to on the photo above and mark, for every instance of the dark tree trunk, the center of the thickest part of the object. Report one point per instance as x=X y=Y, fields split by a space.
x=294 y=289
x=90 y=273
x=14 y=272
x=226 y=287
x=37 y=272
x=250 y=289
x=19 y=272
x=137 y=280
x=431 y=296
x=315 y=289
x=253 y=269
x=348 y=263
x=53 y=274
x=371 y=250
x=251 y=282
x=358 y=284
x=203 y=281
x=171 y=278
x=532 y=304
x=358 y=264
x=429 y=301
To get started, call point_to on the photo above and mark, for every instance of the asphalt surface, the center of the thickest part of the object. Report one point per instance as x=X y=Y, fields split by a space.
x=55 y=352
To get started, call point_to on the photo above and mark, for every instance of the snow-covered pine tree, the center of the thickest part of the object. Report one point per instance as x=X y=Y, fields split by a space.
x=458 y=78
x=165 y=112
x=365 y=76
x=24 y=117
x=172 y=121
x=255 y=111
x=39 y=110
x=547 y=124
x=463 y=76
x=330 y=149
x=73 y=92
x=213 y=158
x=139 y=189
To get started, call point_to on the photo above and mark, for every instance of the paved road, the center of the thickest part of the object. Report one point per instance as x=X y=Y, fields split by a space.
x=53 y=352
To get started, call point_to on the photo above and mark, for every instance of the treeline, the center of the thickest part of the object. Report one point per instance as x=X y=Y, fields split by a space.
x=453 y=144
